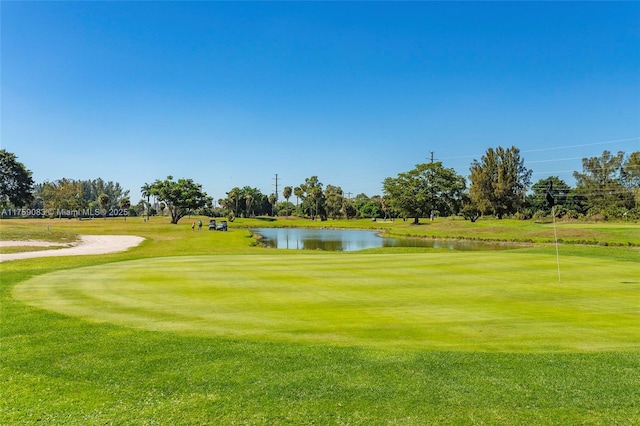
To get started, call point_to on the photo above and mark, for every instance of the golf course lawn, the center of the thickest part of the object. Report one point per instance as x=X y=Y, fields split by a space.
x=204 y=328
x=455 y=301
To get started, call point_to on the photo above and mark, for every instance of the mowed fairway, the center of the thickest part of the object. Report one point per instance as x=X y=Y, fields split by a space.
x=483 y=301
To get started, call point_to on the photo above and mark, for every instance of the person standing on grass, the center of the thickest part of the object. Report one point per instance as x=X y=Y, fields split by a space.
x=199 y=225
x=193 y=226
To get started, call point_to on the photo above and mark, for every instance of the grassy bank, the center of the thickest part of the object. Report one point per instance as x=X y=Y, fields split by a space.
x=526 y=231
x=204 y=328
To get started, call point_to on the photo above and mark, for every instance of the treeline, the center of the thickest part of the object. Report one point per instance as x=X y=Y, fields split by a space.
x=80 y=198
x=499 y=184
x=21 y=197
x=311 y=199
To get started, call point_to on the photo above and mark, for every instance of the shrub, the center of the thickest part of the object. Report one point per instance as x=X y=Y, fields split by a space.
x=598 y=217
x=522 y=215
x=572 y=214
x=539 y=214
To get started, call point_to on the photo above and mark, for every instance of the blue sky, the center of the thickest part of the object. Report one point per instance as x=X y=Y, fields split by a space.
x=231 y=94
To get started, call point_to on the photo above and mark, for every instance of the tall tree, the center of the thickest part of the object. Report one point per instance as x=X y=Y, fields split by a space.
x=631 y=176
x=365 y=206
x=631 y=170
x=181 y=196
x=559 y=190
x=146 y=192
x=313 y=197
x=385 y=206
x=255 y=202
x=334 y=200
x=16 y=183
x=601 y=183
x=428 y=187
x=372 y=208
x=103 y=201
x=499 y=181
x=234 y=197
x=124 y=204
x=349 y=209
x=140 y=208
x=63 y=197
x=297 y=191
x=248 y=202
x=84 y=194
x=286 y=193
x=93 y=188
x=470 y=210
x=272 y=201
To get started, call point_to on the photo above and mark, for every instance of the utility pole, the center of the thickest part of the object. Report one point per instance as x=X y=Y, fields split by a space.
x=276 y=187
x=431 y=214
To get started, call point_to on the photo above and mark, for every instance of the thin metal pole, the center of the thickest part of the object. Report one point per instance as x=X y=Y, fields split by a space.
x=555 y=234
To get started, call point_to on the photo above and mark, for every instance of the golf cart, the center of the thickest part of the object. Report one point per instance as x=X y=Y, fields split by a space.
x=212 y=225
x=222 y=226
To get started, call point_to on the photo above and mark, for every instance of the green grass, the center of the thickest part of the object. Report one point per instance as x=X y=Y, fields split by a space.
x=204 y=328
x=22 y=249
x=34 y=230
x=437 y=301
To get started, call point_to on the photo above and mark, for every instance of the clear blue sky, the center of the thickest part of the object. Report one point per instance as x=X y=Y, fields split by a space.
x=231 y=94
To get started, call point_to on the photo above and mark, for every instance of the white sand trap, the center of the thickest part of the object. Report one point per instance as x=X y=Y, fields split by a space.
x=88 y=244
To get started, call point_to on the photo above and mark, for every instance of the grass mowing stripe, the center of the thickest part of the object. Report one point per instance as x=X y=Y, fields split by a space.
x=100 y=373
x=464 y=301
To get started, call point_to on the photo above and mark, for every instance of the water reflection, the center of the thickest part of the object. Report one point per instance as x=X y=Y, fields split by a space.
x=353 y=240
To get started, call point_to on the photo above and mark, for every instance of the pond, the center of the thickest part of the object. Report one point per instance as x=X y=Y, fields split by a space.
x=353 y=240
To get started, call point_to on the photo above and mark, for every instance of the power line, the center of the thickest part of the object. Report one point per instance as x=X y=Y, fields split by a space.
x=555 y=159
x=553 y=171
x=555 y=148
x=582 y=145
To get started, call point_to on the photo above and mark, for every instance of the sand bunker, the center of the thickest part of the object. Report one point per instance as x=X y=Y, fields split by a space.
x=88 y=244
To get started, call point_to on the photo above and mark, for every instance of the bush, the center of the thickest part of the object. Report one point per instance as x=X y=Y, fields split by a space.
x=471 y=212
x=540 y=214
x=633 y=214
x=571 y=214
x=598 y=217
x=615 y=212
x=522 y=216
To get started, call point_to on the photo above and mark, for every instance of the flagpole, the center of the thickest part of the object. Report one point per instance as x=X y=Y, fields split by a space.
x=555 y=234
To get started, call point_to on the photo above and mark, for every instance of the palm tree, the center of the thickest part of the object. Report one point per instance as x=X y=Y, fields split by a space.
x=125 y=203
x=233 y=194
x=248 y=200
x=146 y=192
x=272 y=201
x=103 y=201
x=286 y=193
x=298 y=192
